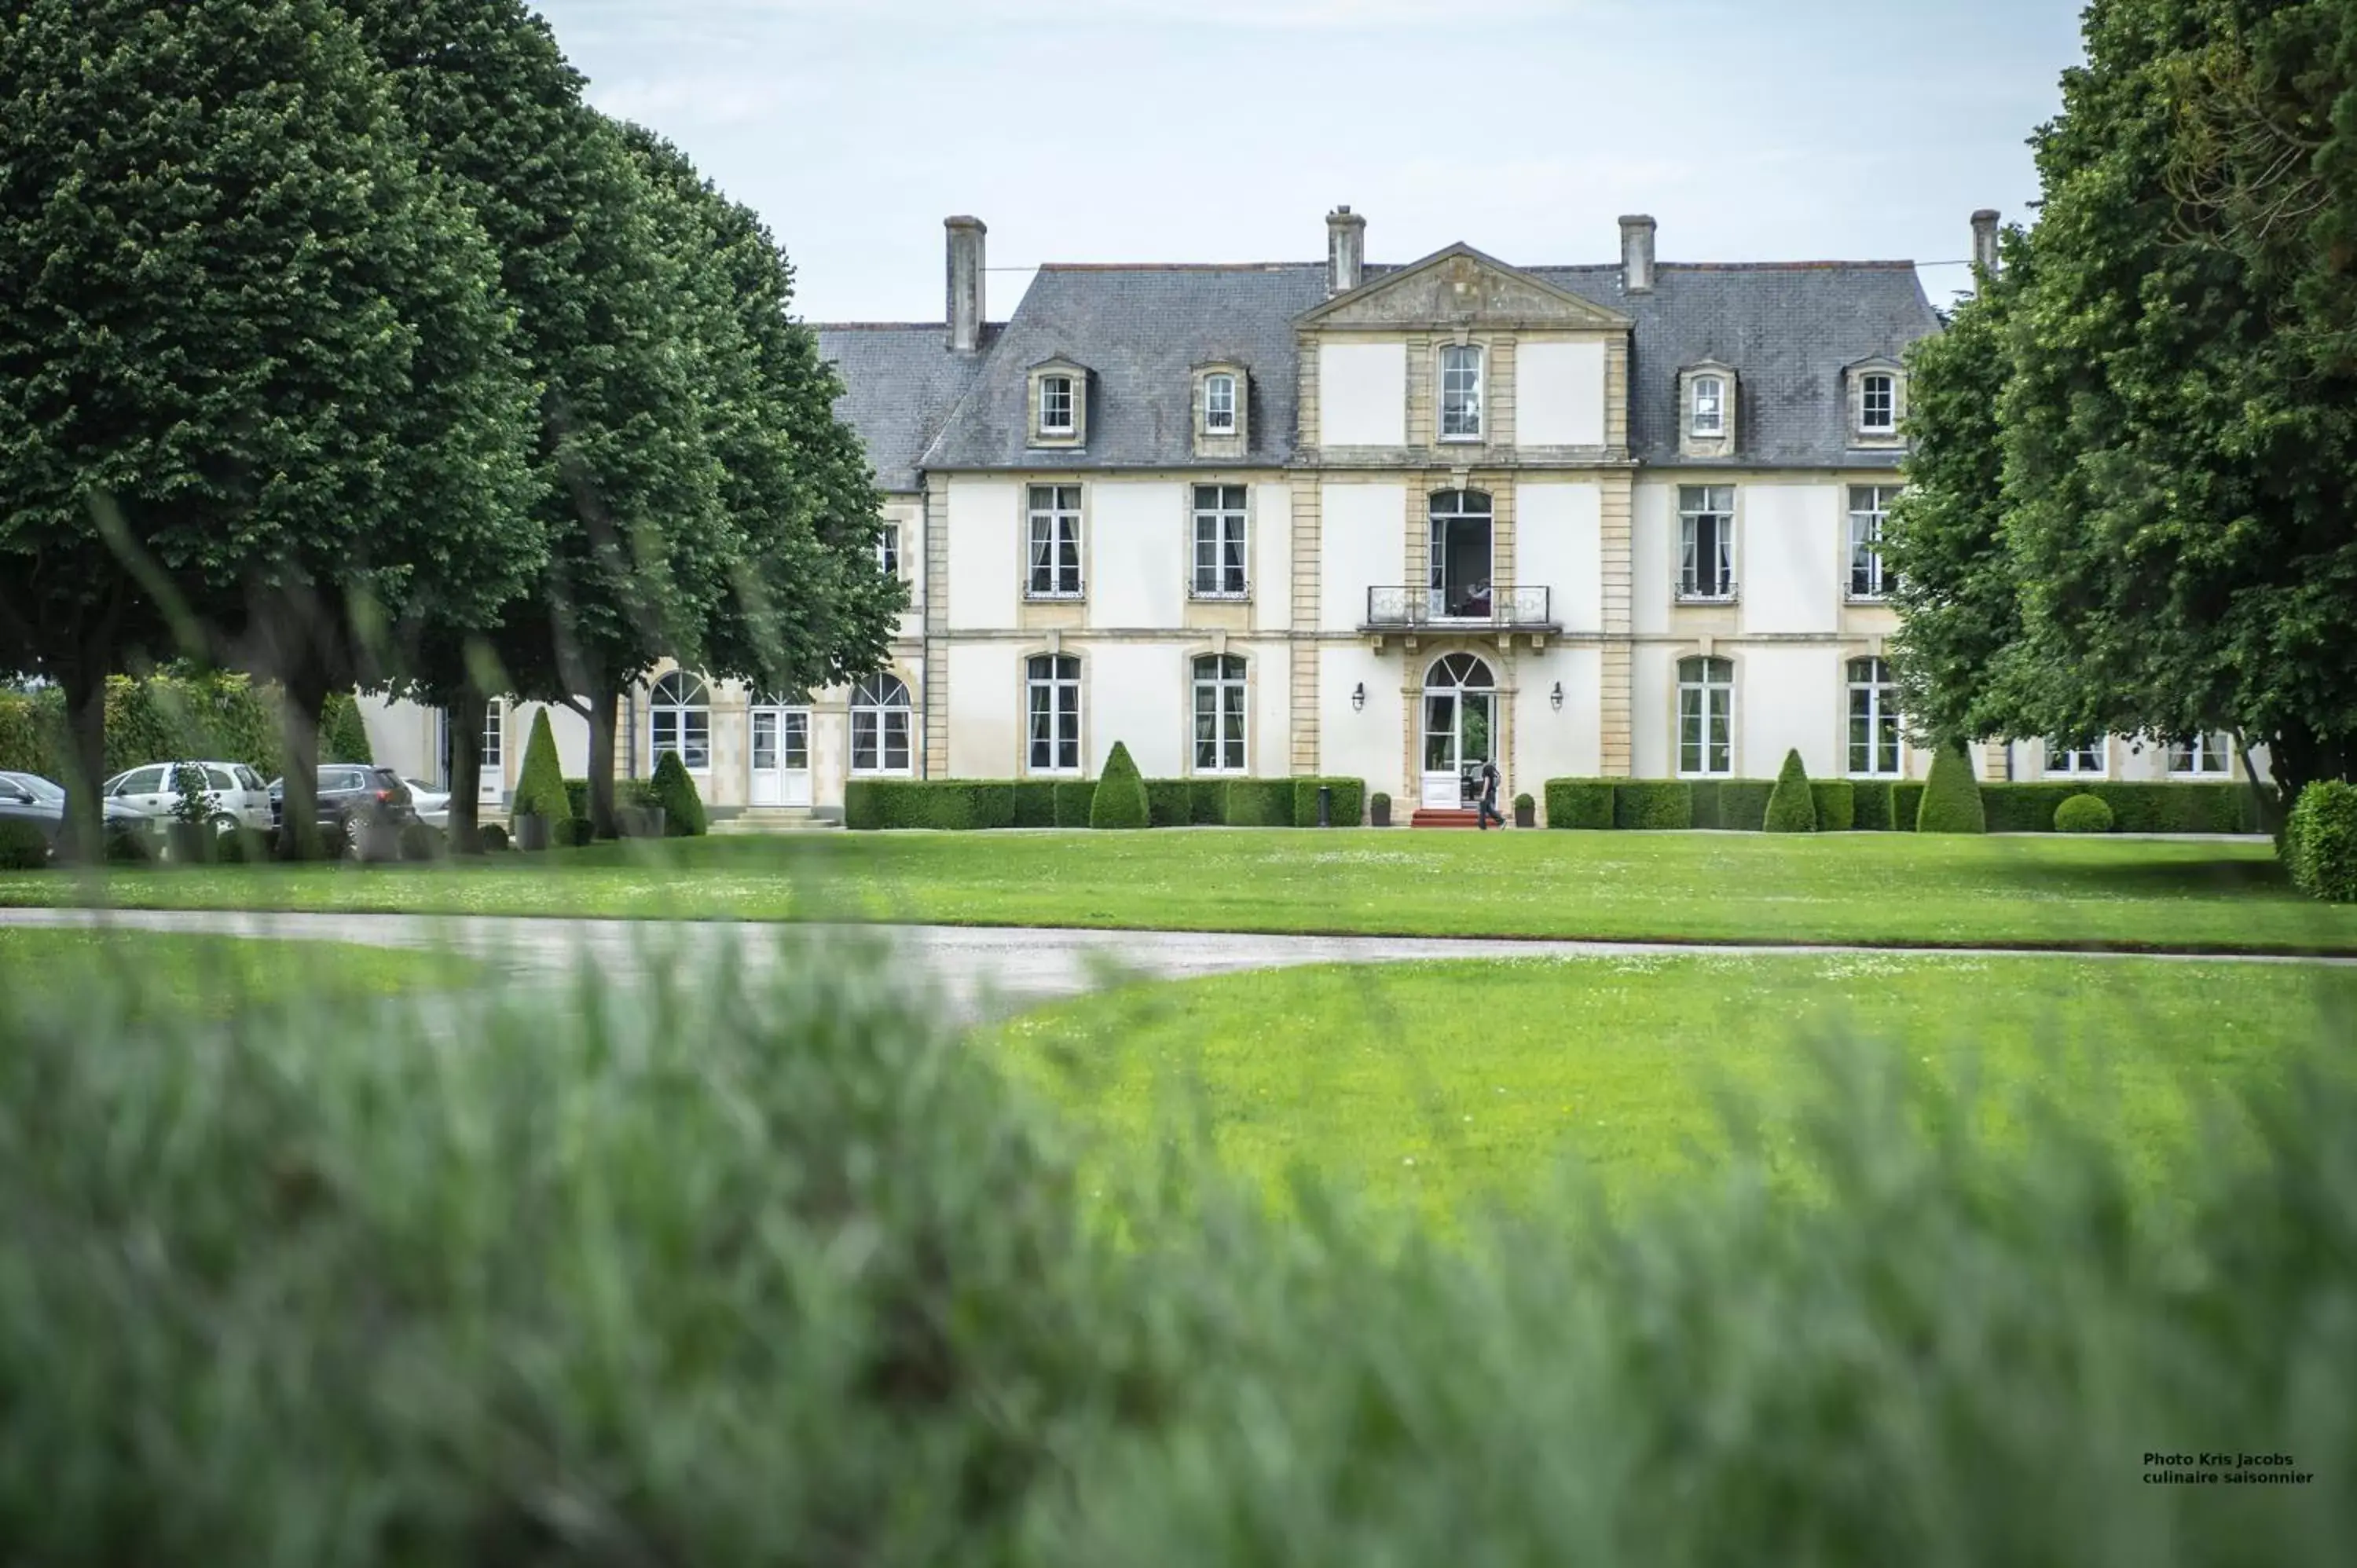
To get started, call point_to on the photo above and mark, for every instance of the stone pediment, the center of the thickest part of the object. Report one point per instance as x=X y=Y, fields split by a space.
x=1459 y=287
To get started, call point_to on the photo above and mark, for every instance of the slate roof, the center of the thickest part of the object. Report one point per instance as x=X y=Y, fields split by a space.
x=1788 y=330
x=899 y=381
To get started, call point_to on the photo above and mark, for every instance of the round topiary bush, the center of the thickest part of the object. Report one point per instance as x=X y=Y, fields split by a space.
x=1792 y=805
x=493 y=837
x=2083 y=814
x=23 y=846
x=420 y=841
x=1120 y=800
x=2320 y=841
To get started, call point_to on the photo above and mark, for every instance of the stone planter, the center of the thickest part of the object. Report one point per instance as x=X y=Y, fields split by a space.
x=189 y=843
x=1527 y=814
x=640 y=821
x=532 y=831
x=1380 y=810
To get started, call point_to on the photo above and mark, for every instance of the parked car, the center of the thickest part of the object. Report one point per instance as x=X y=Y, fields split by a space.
x=432 y=805
x=361 y=808
x=29 y=798
x=235 y=796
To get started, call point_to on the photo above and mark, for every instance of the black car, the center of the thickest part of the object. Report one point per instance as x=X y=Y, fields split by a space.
x=29 y=798
x=363 y=809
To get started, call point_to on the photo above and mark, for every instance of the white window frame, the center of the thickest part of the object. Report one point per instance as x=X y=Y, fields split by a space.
x=493 y=754
x=1223 y=696
x=2074 y=761
x=1462 y=399
x=1692 y=584
x=876 y=702
x=1865 y=389
x=1219 y=421
x=1058 y=683
x=887 y=550
x=1865 y=528
x=1714 y=701
x=1714 y=428
x=1053 y=559
x=2191 y=758
x=1880 y=691
x=1225 y=530
x=1049 y=385
x=681 y=704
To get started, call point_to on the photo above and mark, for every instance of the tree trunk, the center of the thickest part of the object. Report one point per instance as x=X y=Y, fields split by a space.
x=306 y=697
x=84 y=829
x=602 y=748
x=468 y=716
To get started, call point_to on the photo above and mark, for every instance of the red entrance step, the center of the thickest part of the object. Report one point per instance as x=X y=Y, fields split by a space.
x=1444 y=819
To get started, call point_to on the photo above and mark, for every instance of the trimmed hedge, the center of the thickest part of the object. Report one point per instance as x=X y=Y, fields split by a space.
x=944 y=804
x=1646 y=804
x=1737 y=805
x=675 y=793
x=1259 y=803
x=1869 y=805
x=1350 y=801
x=1951 y=796
x=23 y=846
x=1120 y=800
x=1792 y=805
x=576 y=795
x=2154 y=807
x=2320 y=841
x=1578 y=802
x=1074 y=798
x=2083 y=814
x=1836 y=803
x=1906 y=804
x=1035 y=804
x=1169 y=802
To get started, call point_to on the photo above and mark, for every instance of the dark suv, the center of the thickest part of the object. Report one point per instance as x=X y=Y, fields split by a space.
x=362 y=809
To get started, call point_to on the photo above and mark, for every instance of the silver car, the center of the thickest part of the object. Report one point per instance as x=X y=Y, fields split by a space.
x=235 y=795
x=432 y=805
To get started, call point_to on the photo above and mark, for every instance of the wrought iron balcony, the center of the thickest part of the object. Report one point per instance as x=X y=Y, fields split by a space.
x=1517 y=608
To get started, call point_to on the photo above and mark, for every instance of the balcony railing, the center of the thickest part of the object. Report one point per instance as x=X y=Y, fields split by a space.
x=1705 y=592
x=1519 y=607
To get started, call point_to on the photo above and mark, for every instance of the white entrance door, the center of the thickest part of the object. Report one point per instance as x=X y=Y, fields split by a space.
x=491 y=783
x=781 y=753
x=1459 y=704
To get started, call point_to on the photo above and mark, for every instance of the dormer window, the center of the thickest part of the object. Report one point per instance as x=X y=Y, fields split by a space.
x=1707 y=418
x=1056 y=405
x=1877 y=403
x=1460 y=392
x=1219 y=404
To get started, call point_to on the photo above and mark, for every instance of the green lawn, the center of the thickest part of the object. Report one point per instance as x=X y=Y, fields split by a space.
x=1430 y=1083
x=150 y=971
x=1875 y=888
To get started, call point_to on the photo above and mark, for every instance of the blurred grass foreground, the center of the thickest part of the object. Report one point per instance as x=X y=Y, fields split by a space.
x=769 y=1265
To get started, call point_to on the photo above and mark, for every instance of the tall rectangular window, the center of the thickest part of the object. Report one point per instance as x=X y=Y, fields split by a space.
x=1709 y=406
x=1705 y=541
x=1873 y=720
x=1878 y=402
x=495 y=735
x=1056 y=405
x=1870 y=508
x=1053 y=685
x=1219 y=404
x=1460 y=392
x=1055 y=571
x=1219 y=714
x=1220 y=542
x=1706 y=717
x=887 y=550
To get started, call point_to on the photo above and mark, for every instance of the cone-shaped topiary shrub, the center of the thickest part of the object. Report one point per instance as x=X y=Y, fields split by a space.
x=1120 y=800
x=675 y=793
x=1951 y=796
x=343 y=734
x=1792 y=805
x=540 y=788
x=2083 y=814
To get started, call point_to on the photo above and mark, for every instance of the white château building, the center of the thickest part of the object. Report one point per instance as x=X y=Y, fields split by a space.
x=1380 y=520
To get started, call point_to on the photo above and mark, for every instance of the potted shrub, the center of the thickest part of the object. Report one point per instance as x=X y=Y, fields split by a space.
x=190 y=833
x=1526 y=811
x=1378 y=809
x=540 y=799
x=639 y=814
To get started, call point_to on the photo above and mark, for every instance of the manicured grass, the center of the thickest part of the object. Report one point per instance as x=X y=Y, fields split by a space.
x=1434 y=1083
x=213 y=976
x=1872 y=888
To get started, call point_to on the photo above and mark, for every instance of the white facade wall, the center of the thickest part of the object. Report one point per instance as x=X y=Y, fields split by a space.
x=1653 y=711
x=1551 y=745
x=1135 y=692
x=1272 y=557
x=1559 y=394
x=1364 y=743
x=1789 y=550
x=1788 y=697
x=1139 y=532
x=986 y=553
x=1363 y=544
x=1653 y=557
x=1559 y=544
x=1269 y=739
x=987 y=724
x=1363 y=394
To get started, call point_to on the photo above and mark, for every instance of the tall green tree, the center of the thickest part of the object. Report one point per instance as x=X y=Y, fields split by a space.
x=254 y=382
x=2175 y=380
x=627 y=490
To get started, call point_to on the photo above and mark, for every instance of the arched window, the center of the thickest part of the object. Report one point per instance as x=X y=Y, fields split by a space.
x=1873 y=720
x=1706 y=717
x=1052 y=682
x=679 y=718
x=1219 y=714
x=879 y=725
x=1460 y=392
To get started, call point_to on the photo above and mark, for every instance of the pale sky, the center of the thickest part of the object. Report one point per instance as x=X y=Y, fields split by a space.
x=1225 y=130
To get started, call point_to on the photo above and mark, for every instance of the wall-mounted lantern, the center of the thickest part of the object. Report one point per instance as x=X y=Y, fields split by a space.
x=1556 y=696
x=1359 y=697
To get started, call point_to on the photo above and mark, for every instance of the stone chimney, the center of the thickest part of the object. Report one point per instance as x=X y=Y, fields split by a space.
x=1346 y=250
x=1637 y=254
x=1985 y=241
x=965 y=297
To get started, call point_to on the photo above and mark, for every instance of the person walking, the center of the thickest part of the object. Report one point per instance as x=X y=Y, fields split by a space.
x=1490 y=782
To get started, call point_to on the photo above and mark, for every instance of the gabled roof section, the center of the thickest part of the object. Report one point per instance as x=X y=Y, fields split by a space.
x=899 y=382
x=1462 y=286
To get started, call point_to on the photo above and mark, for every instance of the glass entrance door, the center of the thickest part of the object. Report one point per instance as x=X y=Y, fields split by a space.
x=781 y=757
x=1460 y=733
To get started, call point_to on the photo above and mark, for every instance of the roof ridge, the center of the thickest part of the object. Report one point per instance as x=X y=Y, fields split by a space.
x=1176 y=266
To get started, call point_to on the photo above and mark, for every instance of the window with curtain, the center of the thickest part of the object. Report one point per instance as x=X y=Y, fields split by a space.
x=1219 y=714
x=1220 y=542
x=1706 y=717
x=1705 y=541
x=879 y=725
x=1873 y=720
x=1870 y=508
x=1055 y=571
x=1052 y=682
x=1460 y=392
